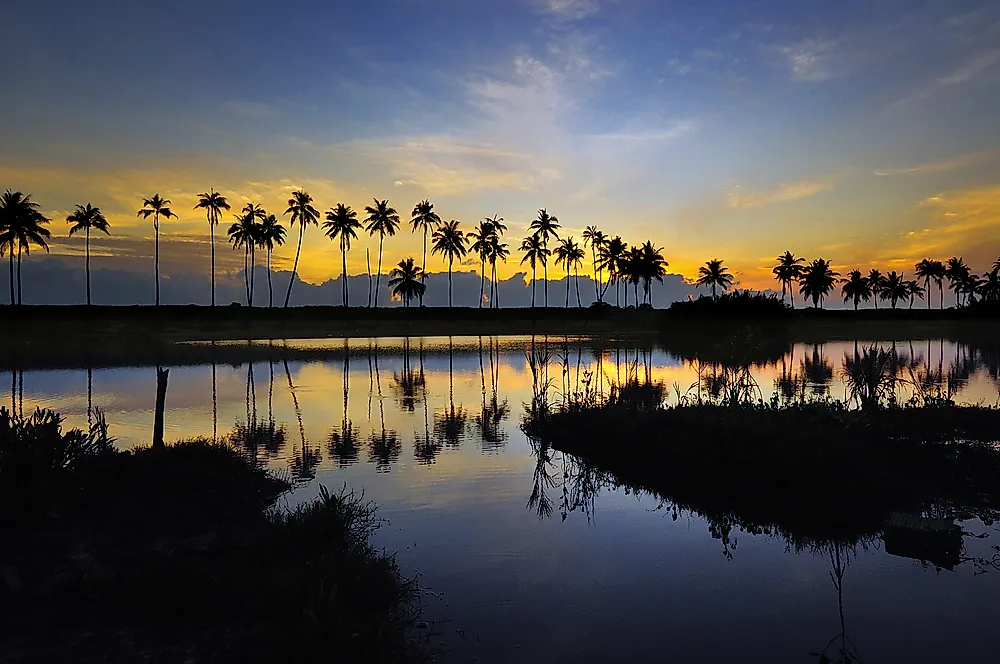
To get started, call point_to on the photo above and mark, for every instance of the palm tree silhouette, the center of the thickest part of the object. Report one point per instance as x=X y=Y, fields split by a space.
x=545 y=226
x=449 y=241
x=876 y=281
x=714 y=274
x=85 y=218
x=894 y=289
x=856 y=288
x=406 y=281
x=342 y=222
x=788 y=270
x=990 y=287
x=498 y=251
x=534 y=252
x=424 y=218
x=609 y=256
x=482 y=237
x=570 y=254
x=653 y=266
x=244 y=233
x=213 y=203
x=384 y=220
x=928 y=269
x=156 y=207
x=303 y=213
x=958 y=274
x=817 y=281
x=914 y=290
x=21 y=225
x=631 y=269
x=596 y=239
x=271 y=235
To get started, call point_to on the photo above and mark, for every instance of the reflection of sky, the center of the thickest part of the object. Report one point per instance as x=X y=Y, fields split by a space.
x=525 y=589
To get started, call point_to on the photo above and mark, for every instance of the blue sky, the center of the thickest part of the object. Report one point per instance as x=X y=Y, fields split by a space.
x=865 y=132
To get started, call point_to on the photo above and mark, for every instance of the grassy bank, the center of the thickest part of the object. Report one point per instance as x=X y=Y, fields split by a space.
x=37 y=337
x=814 y=473
x=177 y=554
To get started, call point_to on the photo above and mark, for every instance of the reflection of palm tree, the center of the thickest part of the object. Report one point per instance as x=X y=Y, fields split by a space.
x=425 y=448
x=90 y=396
x=846 y=653
x=409 y=384
x=304 y=460
x=385 y=447
x=818 y=371
x=493 y=412
x=449 y=426
x=542 y=480
x=344 y=443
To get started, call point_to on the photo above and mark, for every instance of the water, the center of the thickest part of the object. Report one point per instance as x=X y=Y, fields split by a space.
x=520 y=564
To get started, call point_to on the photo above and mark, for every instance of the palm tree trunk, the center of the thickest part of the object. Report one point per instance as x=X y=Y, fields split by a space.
x=253 y=266
x=11 y=261
x=211 y=227
x=246 y=276
x=378 y=275
x=423 y=267
x=482 y=279
x=368 y=264
x=295 y=266
x=927 y=289
x=343 y=271
x=545 y=276
x=20 y=300
x=567 y=285
x=532 y=286
x=494 y=287
x=791 y=294
x=578 y=302
x=450 y=260
x=88 y=266
x=270 y=290
x=156 y=258
x=597 y=290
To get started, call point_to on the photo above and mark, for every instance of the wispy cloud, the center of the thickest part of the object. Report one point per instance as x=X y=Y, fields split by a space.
x=943 y=166
x=653 y=135
x=812 y=60
x=967 y=71
x=568 y=9
x=739 y=198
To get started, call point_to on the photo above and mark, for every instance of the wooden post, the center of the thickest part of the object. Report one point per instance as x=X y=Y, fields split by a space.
x=161 y=398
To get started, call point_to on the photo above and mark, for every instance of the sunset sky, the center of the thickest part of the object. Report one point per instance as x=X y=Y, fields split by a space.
x=864 y=131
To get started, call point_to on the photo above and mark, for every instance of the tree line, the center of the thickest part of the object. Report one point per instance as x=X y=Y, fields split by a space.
x=614 y=262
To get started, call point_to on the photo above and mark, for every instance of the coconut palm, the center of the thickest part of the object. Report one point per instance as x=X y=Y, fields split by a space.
x=714 y=274
x=271 y=234
x=156 y=207
x=545 y=226
x=534 y=252
x=856 y=288
x=958 y=274
x=894 y=289
x=652 y=266
x=914 y=290
x=406 y=281
x=424 y=218
x=244 y=233
x=630 y=269
x=384 y=220
x=21 y=225
x=969 y=287
x=449 y=241
x=876 y=281
x=989 y=290
x=213 y=203
x=342 y=222
x=569 y=254
x=85 y=218
x=596 y=239
x=609 y=256
x=499 y=251
x=817 y=281
x=928 y=269
x=300 y=207
x=788 y=270
x=481 y=238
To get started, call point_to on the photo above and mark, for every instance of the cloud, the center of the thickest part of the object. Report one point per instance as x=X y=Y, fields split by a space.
x=954 y=163
x=812 y=60
x=676 y=131
x=968 y=71
x=569 y=9
x=739 y=199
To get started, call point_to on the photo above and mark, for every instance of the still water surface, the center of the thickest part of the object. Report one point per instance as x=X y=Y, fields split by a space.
x=520 y=567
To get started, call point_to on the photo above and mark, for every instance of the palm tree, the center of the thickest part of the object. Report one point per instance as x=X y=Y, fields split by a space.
x=244 y=233
x=787 y=270
x=156 y=207
x=384 y=220
x=84 y=219
x=970 y=286
x=610 y=254
x=21 y=225
x=406 y=281
x=927 y=269
x=303 y=213
x=630 y=270
x=342 y=222
x=545 y=225
x=596 y=239
x=213 y=203
x=482 y=237
x=534 y=252
x=570 y=255
x=714 y=274
x=450 y=241
x=817 y=281
x=894 y=289
x=990 y=287
x=424 y=218
x=914 y=290
x=653 y=266
x=876 y=281
x=499 y=251
x=958 y=274
x=856 y=287
x=271 y=235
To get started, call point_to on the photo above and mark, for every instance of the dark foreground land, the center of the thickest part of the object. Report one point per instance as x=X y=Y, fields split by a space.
x=178 y=554
x=37 y=337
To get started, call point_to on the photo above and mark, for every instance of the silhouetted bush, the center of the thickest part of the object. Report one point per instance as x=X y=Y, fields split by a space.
x=739 y=303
